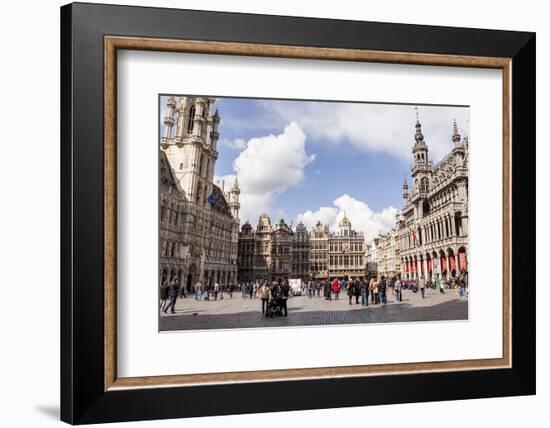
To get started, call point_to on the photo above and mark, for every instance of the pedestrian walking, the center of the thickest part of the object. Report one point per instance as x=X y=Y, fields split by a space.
x=422 y=285
x=173 y=296
x=382 y=289
x=230 y=290
x=183 y=295
x=285 y=292
x=351 y=290
x=198 y=290
x=364 y=293
x=371 y=288
x=376 y=291
x=216 y=290
x=163 y=294
x=397 y=288
x=440 y=285
x=356 y=290
x=336 y=289
x=462 y=287
x=265 y=294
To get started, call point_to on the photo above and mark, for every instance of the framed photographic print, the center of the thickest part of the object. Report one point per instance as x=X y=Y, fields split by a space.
x=276 y=213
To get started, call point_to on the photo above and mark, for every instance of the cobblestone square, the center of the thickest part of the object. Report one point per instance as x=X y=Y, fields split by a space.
x=236 y=312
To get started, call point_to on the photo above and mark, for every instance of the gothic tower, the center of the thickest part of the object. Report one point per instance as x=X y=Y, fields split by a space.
x=422 y=166
x=234 y=204
x=191 y=150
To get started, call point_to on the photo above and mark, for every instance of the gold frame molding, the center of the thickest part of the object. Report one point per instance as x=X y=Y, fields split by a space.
x=113 y=43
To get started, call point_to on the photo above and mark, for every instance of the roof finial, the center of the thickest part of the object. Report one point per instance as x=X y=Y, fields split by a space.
x=456 y=135
x=419 y=137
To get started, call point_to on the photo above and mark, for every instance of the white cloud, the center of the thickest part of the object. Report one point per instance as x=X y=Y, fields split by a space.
x=236 y=144
x=268 y=166
x=273 y=163
x=374 y=127
x=358 y=212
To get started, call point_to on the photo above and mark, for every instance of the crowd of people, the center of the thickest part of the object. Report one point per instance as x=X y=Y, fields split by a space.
x=375 y=289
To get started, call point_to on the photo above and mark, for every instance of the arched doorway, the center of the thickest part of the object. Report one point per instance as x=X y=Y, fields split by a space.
x=443 y=263
x=191 y=278
x=452 y=262
x=462 y=260
x=429 y=266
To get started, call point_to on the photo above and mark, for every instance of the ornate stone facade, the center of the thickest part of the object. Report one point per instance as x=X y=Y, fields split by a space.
x=277 y=252
x=346 y=252
x=207 y=227
x=387 y=254
x=300 y=253
x=318 y=255
x=432 y=230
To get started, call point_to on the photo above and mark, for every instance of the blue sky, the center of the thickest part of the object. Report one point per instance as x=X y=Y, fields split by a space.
x=313 y=160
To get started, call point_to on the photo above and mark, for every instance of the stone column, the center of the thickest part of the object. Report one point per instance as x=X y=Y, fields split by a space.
x=169 y=118
x=199 y=117
x=464 y=221
x=453 y=228
x=180 y=125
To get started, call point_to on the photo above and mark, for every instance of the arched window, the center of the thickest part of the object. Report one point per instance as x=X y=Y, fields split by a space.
x=424 y=185
x=190 y=120
x=425 y=208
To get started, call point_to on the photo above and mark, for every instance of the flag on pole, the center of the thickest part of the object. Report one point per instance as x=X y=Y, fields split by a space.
x=413 y=233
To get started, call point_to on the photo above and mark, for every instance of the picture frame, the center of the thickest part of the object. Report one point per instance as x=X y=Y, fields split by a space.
x=91 y=391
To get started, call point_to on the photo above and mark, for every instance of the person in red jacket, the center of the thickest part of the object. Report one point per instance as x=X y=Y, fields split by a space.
x=336 y=289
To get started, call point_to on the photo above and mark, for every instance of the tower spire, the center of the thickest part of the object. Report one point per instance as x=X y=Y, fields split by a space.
x=419 y=137
x=456 y=135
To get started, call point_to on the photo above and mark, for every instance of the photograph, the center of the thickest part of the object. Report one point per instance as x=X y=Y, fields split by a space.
x=262 y=211
x=289 y=213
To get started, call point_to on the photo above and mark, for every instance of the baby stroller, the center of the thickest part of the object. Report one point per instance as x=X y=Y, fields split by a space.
x=275 y=308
